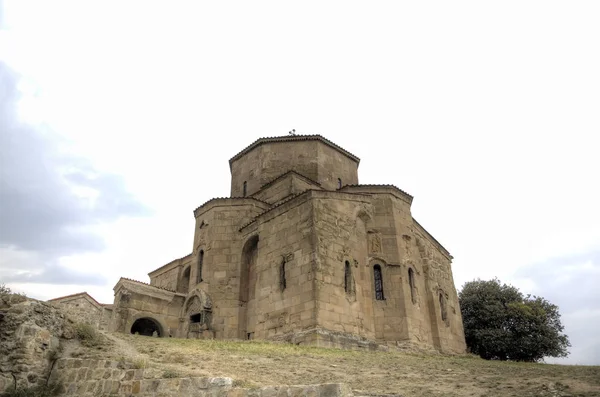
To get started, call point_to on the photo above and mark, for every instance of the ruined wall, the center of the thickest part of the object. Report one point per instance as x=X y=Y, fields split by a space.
x=105 y=319
x=82 y=309
x=30 y=333
x=282 y=283
x=343 y=291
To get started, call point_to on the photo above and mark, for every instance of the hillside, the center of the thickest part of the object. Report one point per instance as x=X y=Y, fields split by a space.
x=255 y=363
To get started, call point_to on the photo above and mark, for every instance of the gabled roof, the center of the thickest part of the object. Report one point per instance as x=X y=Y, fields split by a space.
x=293 y=138
x=281 y=176
x=145 y=284
x=74 y=296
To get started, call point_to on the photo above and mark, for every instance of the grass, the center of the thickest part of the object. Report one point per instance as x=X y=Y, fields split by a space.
x=259 y=363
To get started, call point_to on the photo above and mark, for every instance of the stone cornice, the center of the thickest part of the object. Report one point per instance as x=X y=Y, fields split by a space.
x=379 y=189
x=293 y=138
x=230 y=202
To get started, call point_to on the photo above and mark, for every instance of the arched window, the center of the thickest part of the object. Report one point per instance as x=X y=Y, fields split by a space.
x=200 y=262
x=282 y=280
x=443 y=307
x=378 y=282
x=411 y=282
x=245 y=189
x=184 y=283
x=339 y=183
x=347 y=277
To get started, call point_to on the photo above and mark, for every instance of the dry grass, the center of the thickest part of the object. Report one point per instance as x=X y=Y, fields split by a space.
x=256 y=363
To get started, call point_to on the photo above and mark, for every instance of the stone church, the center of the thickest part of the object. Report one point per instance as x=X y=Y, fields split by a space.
x=301 y=252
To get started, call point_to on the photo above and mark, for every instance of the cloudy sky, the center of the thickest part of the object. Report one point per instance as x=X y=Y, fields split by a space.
x=117 y=119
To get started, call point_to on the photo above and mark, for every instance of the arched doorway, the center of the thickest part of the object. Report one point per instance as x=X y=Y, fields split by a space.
x=146 y=326
x=247 y=318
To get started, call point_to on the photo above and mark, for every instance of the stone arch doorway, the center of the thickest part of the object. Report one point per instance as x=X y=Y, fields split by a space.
x=247 y=314
x=146 y=326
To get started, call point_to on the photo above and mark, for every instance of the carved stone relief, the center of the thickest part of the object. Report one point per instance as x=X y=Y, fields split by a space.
x=374 y=243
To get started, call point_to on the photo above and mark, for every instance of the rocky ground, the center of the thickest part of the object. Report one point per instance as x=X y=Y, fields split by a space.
x=255 y=363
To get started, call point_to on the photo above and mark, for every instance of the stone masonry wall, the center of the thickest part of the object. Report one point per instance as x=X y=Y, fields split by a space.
x=135 y=300
x=82 y=310
x=285 y=256
x=90 y=377
x=334 y=165
x=285 y=187
x=218 y=236
x=341 y=237
x=266 y=162
x=448 y=333
x=30 y=333
x=87 y=377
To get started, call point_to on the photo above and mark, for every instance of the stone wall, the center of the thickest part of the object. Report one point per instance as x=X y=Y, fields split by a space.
x=90 y=377
x=344 y=301
x=442 y=298
x=334 y=165
x=135 y=300
x=30 y=333
x=285 y=186
x=267 y=161
x=170 y=276
x=86 y=377
x=314 y=158
x=218 y=236
x=82 y=309
x=282 y=293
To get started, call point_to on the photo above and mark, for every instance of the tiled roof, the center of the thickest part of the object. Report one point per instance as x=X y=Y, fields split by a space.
x=149 y=285
x=74 y=295
x=292 y=138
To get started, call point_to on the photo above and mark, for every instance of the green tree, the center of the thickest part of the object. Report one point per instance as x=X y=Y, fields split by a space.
x=502 y=324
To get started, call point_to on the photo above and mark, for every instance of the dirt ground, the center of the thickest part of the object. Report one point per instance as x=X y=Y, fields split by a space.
x=256 y=363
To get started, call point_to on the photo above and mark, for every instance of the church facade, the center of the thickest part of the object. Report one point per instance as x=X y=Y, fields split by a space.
x=301 y=252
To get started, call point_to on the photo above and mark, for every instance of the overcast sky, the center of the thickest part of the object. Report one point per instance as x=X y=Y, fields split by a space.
x=117 y=119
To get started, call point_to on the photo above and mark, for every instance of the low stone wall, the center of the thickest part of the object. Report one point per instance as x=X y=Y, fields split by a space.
x=87 y=377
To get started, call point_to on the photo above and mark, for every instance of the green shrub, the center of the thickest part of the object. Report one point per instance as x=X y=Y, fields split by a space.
x=169 y=373
x=88 y=335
